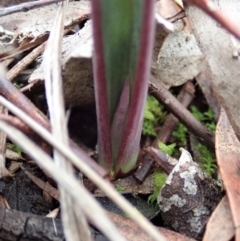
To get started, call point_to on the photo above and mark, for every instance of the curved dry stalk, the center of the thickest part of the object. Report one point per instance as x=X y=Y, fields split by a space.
x=101 y=183
x=73 y=218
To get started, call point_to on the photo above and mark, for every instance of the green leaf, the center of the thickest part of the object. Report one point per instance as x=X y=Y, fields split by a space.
x=120 y=188
x=121 y=21
x=15 y=148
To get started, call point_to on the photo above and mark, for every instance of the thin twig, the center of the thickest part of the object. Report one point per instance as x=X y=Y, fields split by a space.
x=24 y=7
x=23 y=63
x=165 y=161
x=3 y=137
x=28 y=87
x=205 y=136
x=177 y=17
x=185 y=97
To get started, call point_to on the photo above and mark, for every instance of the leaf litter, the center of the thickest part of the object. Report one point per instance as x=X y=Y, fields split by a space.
x=190 y=201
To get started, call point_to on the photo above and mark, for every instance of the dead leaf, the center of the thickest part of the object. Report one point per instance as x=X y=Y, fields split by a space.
x=76 y=70
x=12 y=155
x=220 y=226
x=31 y=28
x=179 y=59
x=188 y=197
x=228 y=159
x=132 y=232
x=13 y=167
x=221 y=52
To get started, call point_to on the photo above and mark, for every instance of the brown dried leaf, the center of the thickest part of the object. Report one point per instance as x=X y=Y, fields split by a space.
x=35 y=23
x=188 y=197
x=221 y=52
x=179 y=59
x=132 y=232
x=220 y=226
x=34 y=26
x=14 y=166
x=5 y=173
x=77 y=71
x=228 y=159
x=12 y=155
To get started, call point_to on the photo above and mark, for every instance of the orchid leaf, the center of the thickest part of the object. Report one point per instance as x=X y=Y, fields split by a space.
x=123 y=40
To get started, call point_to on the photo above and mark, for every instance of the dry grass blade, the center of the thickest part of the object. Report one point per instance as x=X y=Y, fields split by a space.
x=220 y=226
x=70 y=184
x=228 y=159
x=21 y=65
x=2 y=146
x=74 y=220
x=2 y=135
x=102 y=184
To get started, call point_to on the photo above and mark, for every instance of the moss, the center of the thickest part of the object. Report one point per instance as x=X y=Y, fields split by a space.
x=15 y=148
x=154 y=115
x=159 y=180
x=120 y=188
x=168 y=149
x=180 y=133
x=207 y=160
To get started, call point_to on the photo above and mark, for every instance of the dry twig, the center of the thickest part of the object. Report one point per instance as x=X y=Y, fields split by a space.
x=24 y=7
x=205 y=136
